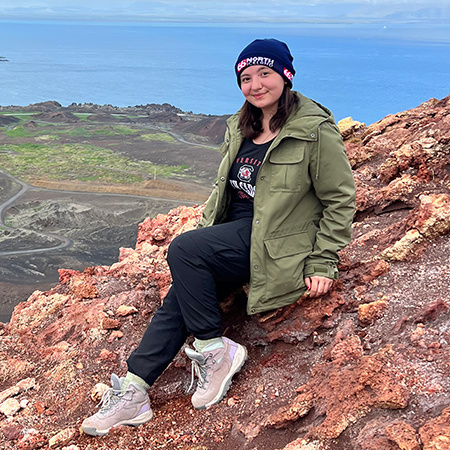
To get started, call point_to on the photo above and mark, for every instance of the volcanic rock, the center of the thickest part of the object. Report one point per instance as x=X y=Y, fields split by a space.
x=58 y=116
x=8 y=120
x=364 y=367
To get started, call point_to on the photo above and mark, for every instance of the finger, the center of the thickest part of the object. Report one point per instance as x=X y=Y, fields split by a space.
x=314 y=287
x=308 y=283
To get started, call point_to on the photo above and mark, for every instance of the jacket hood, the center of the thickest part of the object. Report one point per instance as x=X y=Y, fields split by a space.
x=305 y=121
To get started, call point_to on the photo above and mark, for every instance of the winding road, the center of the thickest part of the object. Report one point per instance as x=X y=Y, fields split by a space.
x=64 y=241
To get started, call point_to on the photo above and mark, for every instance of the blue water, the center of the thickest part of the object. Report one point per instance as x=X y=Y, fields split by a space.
x=363 y=71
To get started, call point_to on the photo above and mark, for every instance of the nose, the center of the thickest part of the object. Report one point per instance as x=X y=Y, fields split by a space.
x=256 y=83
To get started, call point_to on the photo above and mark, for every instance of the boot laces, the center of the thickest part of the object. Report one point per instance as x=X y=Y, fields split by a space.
x=201 y=370
x=110 y=398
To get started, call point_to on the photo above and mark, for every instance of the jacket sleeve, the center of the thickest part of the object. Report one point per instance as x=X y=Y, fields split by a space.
x=335 y=188
x=210 y=209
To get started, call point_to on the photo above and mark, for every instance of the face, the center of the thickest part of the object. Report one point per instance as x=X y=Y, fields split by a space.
x=262 y=87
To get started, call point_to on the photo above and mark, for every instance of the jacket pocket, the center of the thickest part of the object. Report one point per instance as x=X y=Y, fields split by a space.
x=285 y=263
x=286 y=168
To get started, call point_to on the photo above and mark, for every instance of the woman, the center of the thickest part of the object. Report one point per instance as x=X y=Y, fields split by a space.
x=281 y=209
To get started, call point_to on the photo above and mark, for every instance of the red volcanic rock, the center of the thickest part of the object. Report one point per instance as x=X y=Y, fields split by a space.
x=31 y=440
x=12 y=432
x=403 y=435
x=324 y=373
x=124 y=310
x=370 y=382
x=435 y=434
x=110 y=324
x=369 y=312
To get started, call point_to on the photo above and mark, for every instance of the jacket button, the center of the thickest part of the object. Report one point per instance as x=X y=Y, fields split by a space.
x=263 y=177
x=313 y=135
x=222 y=178
x=256 y=267
x=253 y=311
x=257 y=222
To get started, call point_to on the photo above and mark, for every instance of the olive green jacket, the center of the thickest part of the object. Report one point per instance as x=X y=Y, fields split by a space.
x=303 y=206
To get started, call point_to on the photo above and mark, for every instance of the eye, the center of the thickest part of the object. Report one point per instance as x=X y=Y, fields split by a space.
x=245 y=79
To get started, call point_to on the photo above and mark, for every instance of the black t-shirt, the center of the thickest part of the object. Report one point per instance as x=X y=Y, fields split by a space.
x=242 y=178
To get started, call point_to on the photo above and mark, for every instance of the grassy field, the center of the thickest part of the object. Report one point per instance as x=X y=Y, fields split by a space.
x=81 y=162
x=86 y=132
x=77 y=152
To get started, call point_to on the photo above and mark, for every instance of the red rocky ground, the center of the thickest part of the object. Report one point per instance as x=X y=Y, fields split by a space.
x=364 y=367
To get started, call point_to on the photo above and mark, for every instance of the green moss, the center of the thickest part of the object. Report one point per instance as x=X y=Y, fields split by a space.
x=78 y=162
x=158 y=137
x=86 y=132
x=82 y=116
x=17 y=132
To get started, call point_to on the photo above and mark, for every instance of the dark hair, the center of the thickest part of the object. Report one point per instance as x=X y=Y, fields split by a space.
x=250 y=120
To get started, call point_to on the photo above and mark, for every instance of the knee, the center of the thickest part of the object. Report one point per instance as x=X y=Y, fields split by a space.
x=179 y=248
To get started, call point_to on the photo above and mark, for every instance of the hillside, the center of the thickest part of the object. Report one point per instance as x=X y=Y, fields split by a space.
x=76 y=181
x=365 y=367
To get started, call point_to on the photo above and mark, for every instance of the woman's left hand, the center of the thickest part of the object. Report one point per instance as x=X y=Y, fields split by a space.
x=318 y=286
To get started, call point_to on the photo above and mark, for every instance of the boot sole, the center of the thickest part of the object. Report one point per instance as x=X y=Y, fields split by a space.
x=238 y=361
x=139 y=420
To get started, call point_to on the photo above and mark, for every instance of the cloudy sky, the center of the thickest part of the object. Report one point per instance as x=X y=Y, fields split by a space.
x=226 y=10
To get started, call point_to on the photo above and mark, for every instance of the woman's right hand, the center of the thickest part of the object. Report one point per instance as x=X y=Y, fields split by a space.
x=318 y=286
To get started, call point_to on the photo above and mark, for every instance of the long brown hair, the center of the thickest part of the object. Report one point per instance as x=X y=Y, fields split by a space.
x=250 y=120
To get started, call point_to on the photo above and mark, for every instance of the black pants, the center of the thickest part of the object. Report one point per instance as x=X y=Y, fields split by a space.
x=206 y=264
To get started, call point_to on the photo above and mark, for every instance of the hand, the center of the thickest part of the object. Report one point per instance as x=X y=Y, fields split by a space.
x=318 y=286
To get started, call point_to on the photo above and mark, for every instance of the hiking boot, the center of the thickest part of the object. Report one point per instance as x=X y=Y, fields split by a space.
x=215 y=369
x=119 y=407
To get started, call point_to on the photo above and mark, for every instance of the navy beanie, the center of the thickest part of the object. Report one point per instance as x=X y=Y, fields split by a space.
x=267 y=52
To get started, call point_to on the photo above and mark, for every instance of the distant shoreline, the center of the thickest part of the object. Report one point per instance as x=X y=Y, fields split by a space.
x=426 y=30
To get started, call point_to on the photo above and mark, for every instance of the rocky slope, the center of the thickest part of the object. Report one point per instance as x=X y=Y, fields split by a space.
x=365 y=367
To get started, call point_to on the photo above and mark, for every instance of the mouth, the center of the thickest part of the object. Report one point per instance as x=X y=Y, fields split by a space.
x=258 y=96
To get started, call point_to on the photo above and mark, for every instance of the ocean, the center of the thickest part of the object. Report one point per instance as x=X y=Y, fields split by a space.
x=365 y=71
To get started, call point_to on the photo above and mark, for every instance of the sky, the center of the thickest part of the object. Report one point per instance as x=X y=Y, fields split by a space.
x=227 y=10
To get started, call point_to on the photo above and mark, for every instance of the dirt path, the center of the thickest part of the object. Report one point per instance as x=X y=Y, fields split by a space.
x=101 y=190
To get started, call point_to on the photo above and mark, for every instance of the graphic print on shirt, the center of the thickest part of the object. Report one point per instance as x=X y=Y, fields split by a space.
x=242 y=178
x=244 y=182
x=245 y=172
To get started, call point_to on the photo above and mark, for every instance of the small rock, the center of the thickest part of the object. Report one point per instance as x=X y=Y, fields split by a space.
x=417 y=333
x=116 y=334
x=63 y=437
x=125 y=310
x=12 y=432
x=368 y=313
x=106 y=355
x=31 y=440
x=24 y=403
x=98 y=391
x=10 y=407
x=435 y=434
x=110 y=324
x=40 y=407
x=23 y=385
x=404 y=435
